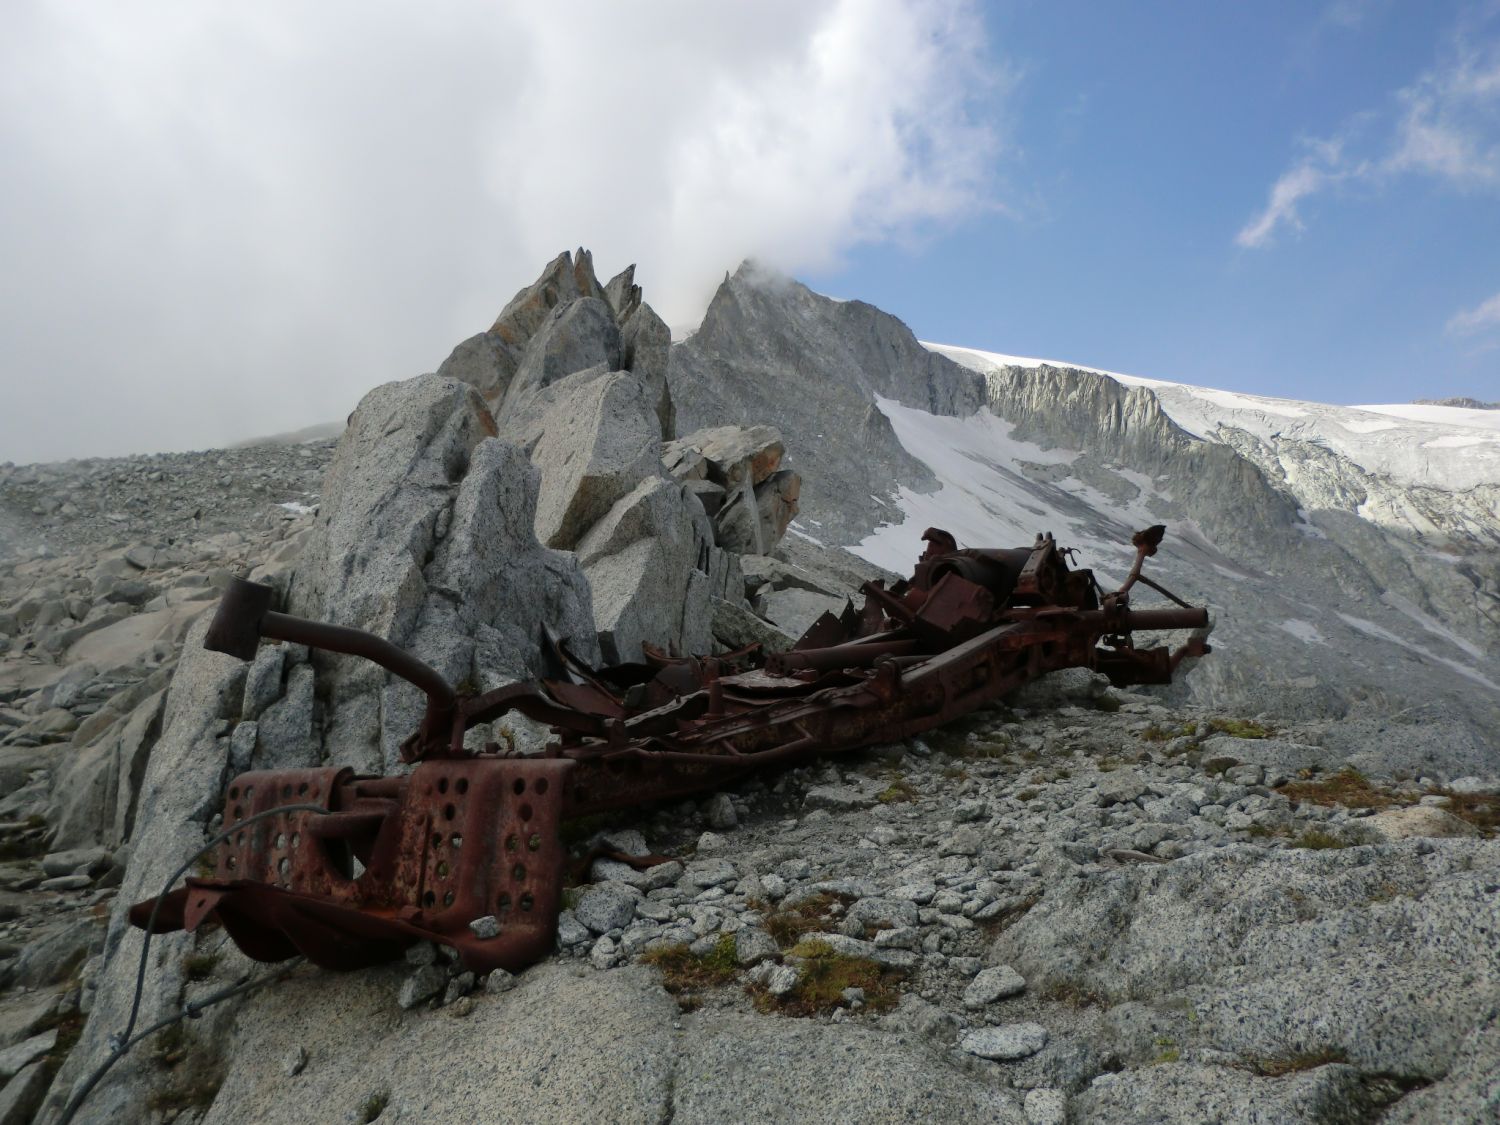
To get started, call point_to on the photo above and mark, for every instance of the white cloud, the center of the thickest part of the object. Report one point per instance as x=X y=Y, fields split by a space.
x=1281 y=208
x=221 y=220
x=1481 y=318
x=1447 y=127
x=1450 y=127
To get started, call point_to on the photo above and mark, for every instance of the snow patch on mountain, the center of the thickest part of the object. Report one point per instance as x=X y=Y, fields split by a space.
x=992 y=488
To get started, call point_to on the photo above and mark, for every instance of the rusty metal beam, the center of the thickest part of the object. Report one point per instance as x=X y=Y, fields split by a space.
x=466 y=850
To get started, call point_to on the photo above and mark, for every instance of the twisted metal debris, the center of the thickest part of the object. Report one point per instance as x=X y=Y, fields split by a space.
x=465 y=850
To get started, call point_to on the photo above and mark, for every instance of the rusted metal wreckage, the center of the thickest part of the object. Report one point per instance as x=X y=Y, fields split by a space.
x=358 y=868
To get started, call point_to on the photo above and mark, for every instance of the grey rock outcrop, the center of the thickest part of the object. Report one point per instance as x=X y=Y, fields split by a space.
x=567 y=278
x=576 y=336
x=753 y=522
x=1188 y=1093
x=489 y=360
x=588 y=400
x=1284 y=954
x=651 y=564
x=562 y=323
x=426 y=537
x=752 y=497
x=486 y=362
x=598 y=441
x=95 y=799
x=179 y=794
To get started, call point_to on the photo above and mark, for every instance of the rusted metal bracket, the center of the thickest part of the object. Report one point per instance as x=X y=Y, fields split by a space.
x=466 y=850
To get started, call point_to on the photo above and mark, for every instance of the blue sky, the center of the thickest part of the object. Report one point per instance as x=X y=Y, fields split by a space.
x=220 y=221
x=1139 y=140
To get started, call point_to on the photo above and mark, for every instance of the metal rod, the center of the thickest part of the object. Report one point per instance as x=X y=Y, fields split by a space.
x=356 y=642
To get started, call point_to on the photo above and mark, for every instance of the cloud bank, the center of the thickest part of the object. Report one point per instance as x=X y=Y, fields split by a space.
x=223 y=220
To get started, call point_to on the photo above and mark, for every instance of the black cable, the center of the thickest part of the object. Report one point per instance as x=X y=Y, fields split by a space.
x=122 y=1041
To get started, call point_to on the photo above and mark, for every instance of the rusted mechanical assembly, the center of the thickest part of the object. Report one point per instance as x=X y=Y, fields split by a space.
x=465 y=850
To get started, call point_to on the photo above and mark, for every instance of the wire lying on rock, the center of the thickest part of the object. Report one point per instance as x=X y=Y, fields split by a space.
x=121 y=1042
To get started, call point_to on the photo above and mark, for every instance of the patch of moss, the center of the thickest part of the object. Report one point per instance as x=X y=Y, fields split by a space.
x=811 y=915
x=988 y=746
x=1353 y=790
x=170 y=1046
x=21 y=847
x=897 y=791
x=1386 y=892
x=1266 y=831
x=195 y=1090
x=968 y=736
x=194 y=1079
x=69 y=1029
x=684 y=973
x=1168 y=1051
x=1241 y=728
x=826 y=974
x=1009 y=916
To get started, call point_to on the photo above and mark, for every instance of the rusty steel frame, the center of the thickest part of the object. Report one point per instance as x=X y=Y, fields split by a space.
x=468 y=836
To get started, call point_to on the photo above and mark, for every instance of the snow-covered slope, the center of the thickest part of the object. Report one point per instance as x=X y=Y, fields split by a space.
x=1441 y=447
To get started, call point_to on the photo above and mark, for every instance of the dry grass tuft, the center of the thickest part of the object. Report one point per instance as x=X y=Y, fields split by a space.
x=1157 y=733
x=1072 y=992
x=1482 y=811
x=1317 y=840
x=1348 y=787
